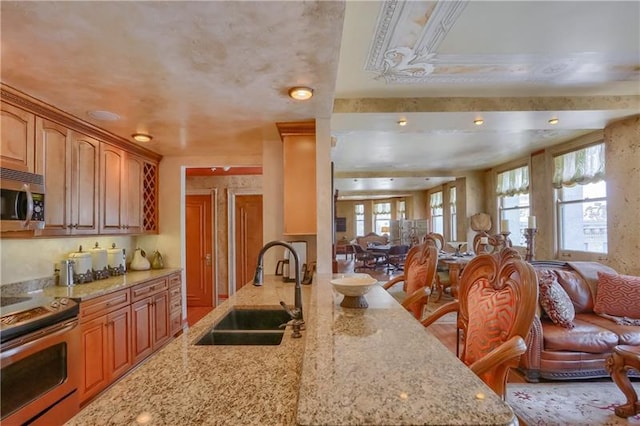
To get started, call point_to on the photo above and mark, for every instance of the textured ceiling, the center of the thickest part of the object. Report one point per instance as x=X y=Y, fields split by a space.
x=212 y=76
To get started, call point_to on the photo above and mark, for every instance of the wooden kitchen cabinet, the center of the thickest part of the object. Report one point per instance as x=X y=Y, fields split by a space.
x=106 y=328
x=175 y=304
x=150 y=316
x=17 y=140
x=122 y=201
x=71 y=162
x=299 y=191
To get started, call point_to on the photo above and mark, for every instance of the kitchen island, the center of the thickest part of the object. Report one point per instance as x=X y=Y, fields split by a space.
x=371 y=366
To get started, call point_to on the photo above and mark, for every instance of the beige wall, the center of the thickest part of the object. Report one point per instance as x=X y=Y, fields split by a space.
x=27 y=259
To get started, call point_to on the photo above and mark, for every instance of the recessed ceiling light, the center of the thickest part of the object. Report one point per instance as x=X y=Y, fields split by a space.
x=142 y=137
x=478 y=121
x=301 y=93
x=402 y=122
x=103 y=115
x=553 y=121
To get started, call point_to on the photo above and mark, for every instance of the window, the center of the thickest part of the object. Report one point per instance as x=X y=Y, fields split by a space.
x=513 y=202
x=402 y=210
x=359 y=210
x=581 y=197
x=452 y=213
x=381 y=217
x=437 y=211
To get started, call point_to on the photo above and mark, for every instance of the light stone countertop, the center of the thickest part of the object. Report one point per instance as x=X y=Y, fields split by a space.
x=352 y=366
x=97 y=288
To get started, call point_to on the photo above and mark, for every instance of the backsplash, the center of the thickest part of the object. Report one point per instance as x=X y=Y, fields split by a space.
x=36 y=258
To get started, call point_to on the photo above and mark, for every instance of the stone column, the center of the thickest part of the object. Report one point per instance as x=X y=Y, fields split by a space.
x=622 y=154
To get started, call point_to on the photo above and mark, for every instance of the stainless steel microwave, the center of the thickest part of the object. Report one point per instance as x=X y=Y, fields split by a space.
x=21 y=201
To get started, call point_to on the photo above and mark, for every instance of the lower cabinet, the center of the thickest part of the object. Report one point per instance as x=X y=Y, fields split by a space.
x=122 y=328
x=150 y=324
x=106 y=342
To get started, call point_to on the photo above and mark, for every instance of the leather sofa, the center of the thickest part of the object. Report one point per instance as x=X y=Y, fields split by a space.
x=558 y=353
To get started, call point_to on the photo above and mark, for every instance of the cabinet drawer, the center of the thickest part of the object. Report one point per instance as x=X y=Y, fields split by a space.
x=175 y=280
x=175 y=304
x=104 y=304
x=147 y=289
x=175 y=292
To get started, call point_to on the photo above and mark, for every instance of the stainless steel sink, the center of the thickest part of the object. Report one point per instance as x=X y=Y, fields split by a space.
x=247 y=326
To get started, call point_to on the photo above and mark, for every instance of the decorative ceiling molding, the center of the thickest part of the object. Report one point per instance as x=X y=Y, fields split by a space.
x=404 y=50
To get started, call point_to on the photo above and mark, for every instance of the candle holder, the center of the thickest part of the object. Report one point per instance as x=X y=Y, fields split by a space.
x=530 y=236
x=505 y=241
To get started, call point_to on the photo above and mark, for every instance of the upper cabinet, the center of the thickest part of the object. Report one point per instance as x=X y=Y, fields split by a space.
x=95 y=183
x=299 y=159
x=123 y=185
x=17 y=140
x=71 y=179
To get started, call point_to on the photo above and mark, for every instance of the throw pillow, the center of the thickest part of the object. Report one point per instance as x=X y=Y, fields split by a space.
x=554 y=300
x=618 y=295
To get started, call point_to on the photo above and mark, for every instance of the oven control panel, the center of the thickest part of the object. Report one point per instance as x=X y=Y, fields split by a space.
x=24 y=317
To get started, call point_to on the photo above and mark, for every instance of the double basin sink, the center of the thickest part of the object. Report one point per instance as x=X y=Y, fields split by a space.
x=247 y=326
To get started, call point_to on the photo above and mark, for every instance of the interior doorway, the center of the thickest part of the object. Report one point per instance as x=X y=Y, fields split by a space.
x=248 y=236
x=199 y=256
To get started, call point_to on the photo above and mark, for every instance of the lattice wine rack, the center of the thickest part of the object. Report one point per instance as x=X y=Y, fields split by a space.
x=150 y=191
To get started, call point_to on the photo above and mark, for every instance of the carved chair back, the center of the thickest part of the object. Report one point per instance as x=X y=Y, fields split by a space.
x=498 y=296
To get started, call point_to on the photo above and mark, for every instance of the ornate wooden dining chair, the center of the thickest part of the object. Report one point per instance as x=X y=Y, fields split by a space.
x=441 y=280
x=498 y=295
x=419 y=272
x=484 y=243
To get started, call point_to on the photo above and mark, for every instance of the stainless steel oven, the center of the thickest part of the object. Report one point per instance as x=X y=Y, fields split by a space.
x=40 y=360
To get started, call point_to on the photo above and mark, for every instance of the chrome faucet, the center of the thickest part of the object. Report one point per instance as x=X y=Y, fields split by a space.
x=257 y=280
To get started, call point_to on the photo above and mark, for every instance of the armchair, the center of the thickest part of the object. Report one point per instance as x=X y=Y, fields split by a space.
x=498 y=296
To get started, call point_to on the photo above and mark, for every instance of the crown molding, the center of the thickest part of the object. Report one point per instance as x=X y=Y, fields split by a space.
x=22 y=100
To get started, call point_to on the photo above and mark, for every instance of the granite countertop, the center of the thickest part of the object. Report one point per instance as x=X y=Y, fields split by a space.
x=352 y=366
x=97 y=288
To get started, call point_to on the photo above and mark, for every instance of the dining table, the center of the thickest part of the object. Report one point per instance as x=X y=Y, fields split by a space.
x=455 y=265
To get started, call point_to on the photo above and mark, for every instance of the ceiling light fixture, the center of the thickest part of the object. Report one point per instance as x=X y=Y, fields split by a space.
x=142 y=137
x=478 y=121
x=301 y=93
x=554 y=120
x=402 y=122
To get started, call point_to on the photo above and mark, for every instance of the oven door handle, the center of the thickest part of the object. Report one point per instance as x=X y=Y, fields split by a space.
x=29 y=340
x=29 y=215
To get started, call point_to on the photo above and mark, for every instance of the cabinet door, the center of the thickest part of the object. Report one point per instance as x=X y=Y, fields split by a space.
x=119 y=342
x=54 y=141
x=85 y=163
x=299 y=192
x=17 y=139
x=112 y=205
x=142 y=326
x=95 y=376
x=134 y=171
x=160 y=318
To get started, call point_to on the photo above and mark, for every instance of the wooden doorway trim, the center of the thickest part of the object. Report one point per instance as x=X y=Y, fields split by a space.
x=231 y=219
x=214 y=238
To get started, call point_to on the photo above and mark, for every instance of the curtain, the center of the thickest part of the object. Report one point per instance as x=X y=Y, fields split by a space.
x=512 y=182
x=579 y=167
x=435 y=200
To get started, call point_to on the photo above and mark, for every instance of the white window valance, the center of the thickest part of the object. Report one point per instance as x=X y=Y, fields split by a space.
x=359 y=209
x=452 y=199
x=401 y=207
x=579 y=167
x=512 y=182
x=382 y=208
x=435 y=200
